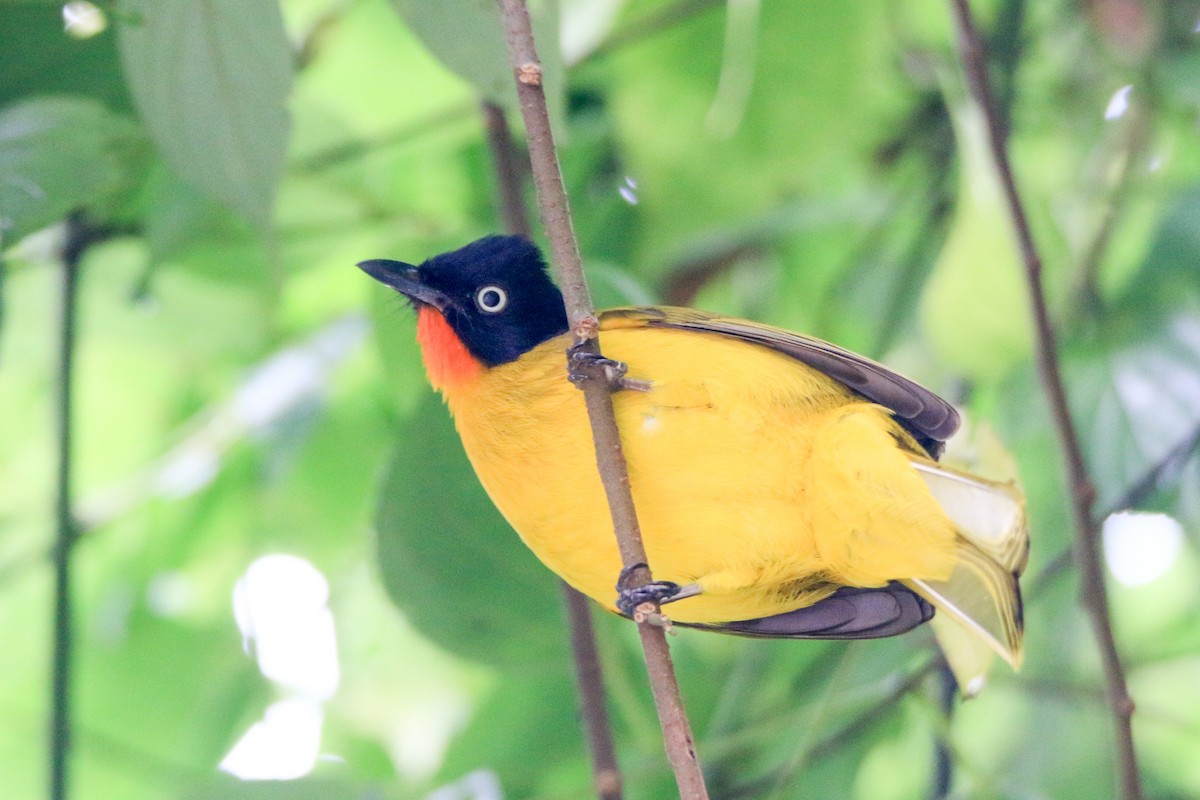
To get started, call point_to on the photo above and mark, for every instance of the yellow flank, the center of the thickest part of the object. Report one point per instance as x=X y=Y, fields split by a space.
x=760 y=478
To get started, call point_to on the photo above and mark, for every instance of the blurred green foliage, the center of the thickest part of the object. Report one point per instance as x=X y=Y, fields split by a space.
x=813 y=165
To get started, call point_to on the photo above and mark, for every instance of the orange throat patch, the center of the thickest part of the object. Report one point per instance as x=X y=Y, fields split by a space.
x=448 y=363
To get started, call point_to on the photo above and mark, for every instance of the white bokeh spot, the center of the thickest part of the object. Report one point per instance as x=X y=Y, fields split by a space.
x=1140 y=547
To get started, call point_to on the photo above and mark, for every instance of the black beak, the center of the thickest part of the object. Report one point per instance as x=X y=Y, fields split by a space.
x=405 y=279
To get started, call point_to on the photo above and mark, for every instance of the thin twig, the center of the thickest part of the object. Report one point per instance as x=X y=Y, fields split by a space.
x=943 y=757
x=78 y=237
x=686 y=278
x=1114 y=207
x=589 y=674
x=510 y=172
x=606 y=773
x=556 y=217
x=874 y=714
x=1094 y=594
x=408 y=132
x=1165 y=469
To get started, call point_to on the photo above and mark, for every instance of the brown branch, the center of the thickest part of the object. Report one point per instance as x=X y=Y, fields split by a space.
x=589 y=675
x=1094 y=595
x=556 y=217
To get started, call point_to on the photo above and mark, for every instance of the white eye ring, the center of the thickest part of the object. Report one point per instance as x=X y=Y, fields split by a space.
x=491 y=299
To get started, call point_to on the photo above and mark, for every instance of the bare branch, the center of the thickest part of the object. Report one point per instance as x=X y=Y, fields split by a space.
x=589 y=675
x=556 y=217
x=1094 y=593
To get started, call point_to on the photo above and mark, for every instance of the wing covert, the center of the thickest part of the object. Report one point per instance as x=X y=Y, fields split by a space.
x=928 y=417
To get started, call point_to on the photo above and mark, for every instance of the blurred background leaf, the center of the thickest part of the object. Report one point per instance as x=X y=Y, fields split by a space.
x=211 y=81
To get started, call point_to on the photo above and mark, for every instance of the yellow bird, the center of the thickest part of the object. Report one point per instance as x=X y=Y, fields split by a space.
x=785 y=487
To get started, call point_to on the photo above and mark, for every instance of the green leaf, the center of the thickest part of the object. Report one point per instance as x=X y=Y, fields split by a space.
x=698 y=169
x=1169 y=270
x=452 y=564
x=211 y=80
x=468 y=37
x=189 y=228
x=533 y=711
x=57 y=154
x=973 y=309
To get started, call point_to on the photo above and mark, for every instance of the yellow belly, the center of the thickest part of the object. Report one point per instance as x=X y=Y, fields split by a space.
x=761 y=479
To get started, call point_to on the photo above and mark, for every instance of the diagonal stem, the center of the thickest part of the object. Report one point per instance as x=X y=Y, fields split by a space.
x=589 y=675
x=556 y=217
x=1094 y=596
x=1165 y=469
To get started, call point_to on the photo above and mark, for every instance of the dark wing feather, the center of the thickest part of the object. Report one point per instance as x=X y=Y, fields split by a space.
x=928 y=417
x=848 y=613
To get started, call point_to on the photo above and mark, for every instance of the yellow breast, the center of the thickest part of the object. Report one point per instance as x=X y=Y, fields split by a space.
x=762 y=479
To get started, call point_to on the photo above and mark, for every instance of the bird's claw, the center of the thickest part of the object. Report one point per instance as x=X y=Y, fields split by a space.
x=630 y=597
x=584 y=365
x=658 y=592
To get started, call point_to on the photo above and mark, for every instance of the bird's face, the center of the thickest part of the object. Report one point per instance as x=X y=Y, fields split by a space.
x=494 y=294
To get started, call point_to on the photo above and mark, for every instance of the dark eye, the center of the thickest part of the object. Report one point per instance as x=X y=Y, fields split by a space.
x=491 y=299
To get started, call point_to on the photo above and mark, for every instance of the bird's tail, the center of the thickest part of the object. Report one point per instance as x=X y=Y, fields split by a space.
x=979 y=605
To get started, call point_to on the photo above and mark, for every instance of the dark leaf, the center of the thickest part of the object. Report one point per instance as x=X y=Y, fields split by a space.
x=452 y=564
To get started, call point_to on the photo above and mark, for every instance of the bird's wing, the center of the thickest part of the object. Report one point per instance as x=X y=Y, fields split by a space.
x=849 y=613
x=928 y=417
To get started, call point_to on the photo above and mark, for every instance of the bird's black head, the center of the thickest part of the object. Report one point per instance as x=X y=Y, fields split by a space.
x=494 y=293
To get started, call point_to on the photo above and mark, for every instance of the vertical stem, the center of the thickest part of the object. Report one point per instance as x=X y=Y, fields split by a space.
x=589 y=675
x=556 y=217
x=943 y=767
x=509 y=171
x=1094 y=593
x=60 y=683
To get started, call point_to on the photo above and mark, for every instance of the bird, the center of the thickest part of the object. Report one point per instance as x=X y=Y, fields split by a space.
x=785 y=487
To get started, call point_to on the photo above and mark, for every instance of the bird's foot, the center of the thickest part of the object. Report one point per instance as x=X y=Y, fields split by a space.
x=629 y=598
x=583 y=365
